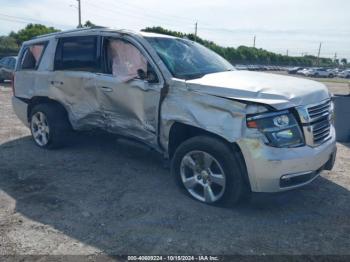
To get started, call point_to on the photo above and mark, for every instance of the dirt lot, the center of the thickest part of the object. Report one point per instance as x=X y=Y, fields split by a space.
x=103 y=195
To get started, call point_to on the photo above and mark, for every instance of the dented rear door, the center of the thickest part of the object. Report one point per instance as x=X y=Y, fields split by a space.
x=77 y=92
x=73 y=83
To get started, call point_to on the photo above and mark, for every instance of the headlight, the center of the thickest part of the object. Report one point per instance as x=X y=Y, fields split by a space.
x=280 y=128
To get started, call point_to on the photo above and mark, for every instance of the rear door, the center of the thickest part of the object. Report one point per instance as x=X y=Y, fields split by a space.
x=29 y=72
x=77 y=61
x=129 y=88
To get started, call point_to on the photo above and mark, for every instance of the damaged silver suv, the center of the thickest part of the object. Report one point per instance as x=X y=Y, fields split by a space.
x=226 y=132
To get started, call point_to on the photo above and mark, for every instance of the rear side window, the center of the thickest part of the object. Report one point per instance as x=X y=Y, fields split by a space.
x=78 y=54
x=32 y=56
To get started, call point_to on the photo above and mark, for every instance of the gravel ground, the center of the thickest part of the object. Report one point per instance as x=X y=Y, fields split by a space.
x=109 y=196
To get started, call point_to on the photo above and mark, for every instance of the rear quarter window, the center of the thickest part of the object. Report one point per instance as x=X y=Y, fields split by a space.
x=31 y=56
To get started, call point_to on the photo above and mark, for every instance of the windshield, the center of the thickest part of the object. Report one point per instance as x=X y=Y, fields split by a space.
x=186 y=59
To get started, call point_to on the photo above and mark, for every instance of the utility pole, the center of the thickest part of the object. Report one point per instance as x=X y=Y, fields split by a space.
x=287 y=52
x=254 y=41
x=79 y=14
x=318 y=55
x=195 y=31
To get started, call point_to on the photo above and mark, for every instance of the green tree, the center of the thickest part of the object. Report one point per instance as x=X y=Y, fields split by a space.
x=30 y=31
x=344 y=61
x=8 y=46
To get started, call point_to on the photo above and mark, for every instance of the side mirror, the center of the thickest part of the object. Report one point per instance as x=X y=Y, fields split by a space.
x=141 y=74
x=152 y=77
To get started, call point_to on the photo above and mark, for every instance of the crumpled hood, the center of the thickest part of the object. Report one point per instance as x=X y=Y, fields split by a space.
x=276 y=90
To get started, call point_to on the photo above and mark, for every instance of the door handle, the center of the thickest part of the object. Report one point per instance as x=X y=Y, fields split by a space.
x=56 y=82
x=106 y=89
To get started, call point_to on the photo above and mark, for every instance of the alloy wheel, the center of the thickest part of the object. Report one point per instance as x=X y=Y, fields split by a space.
x=203 y=176
x=40 y=128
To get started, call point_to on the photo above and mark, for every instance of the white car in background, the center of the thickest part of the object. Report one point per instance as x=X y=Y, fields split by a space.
x=303 y=72
x=320 y=72
x=344 y=74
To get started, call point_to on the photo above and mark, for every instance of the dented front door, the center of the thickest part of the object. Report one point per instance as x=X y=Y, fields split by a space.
x=128 y=98
x=130 y=108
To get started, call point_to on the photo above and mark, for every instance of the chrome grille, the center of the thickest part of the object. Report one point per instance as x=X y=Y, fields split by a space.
x=316 y=122
x=321 y=131
x=319 y=111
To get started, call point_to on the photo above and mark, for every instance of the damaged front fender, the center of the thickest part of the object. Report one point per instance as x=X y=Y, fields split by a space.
x=221 y=116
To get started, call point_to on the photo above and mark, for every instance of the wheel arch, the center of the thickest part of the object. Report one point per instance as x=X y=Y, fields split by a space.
x=34 y=101
x=180 y=132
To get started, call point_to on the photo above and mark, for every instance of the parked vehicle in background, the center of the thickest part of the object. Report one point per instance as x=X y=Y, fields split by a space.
x=241 y=67
x=332 y=72
x=303 y=71
x=336 y=71
x=294 y=70
x=226 y=132
x=344 y=74
x=7 y=67
x=320 y=72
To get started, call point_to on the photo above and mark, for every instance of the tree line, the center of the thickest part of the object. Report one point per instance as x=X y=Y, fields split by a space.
x=252 y=55
x=10 y=44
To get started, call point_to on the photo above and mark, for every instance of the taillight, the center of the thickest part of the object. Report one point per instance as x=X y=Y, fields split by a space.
x=13 y=84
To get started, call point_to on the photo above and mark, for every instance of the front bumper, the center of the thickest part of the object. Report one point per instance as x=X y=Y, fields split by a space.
x=273 y=169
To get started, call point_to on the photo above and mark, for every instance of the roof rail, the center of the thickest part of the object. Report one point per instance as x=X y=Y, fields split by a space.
x=69 y=31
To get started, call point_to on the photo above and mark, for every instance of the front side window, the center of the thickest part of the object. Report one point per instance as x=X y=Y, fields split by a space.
x=32 y=56
x=186 y=59
x=124 y=61
x=77 y=54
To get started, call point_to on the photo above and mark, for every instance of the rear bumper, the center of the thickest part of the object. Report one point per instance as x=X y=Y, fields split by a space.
x=20 y=108
x=278 y=169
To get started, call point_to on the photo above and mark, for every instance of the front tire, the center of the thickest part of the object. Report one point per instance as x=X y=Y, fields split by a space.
x=49 y=126
x=209 y=171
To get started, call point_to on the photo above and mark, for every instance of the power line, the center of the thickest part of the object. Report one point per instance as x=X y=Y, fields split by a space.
x=29 y=20
x=132 y=14
x=130 y=11
x=158 y=14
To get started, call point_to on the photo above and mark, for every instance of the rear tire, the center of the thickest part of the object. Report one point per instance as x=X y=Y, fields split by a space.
x=49 y=126
x=194 y=177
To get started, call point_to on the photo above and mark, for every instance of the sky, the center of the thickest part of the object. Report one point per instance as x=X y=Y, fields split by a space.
x=298 y=26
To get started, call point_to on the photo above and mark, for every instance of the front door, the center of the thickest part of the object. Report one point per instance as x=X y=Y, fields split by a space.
x=129 y=90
